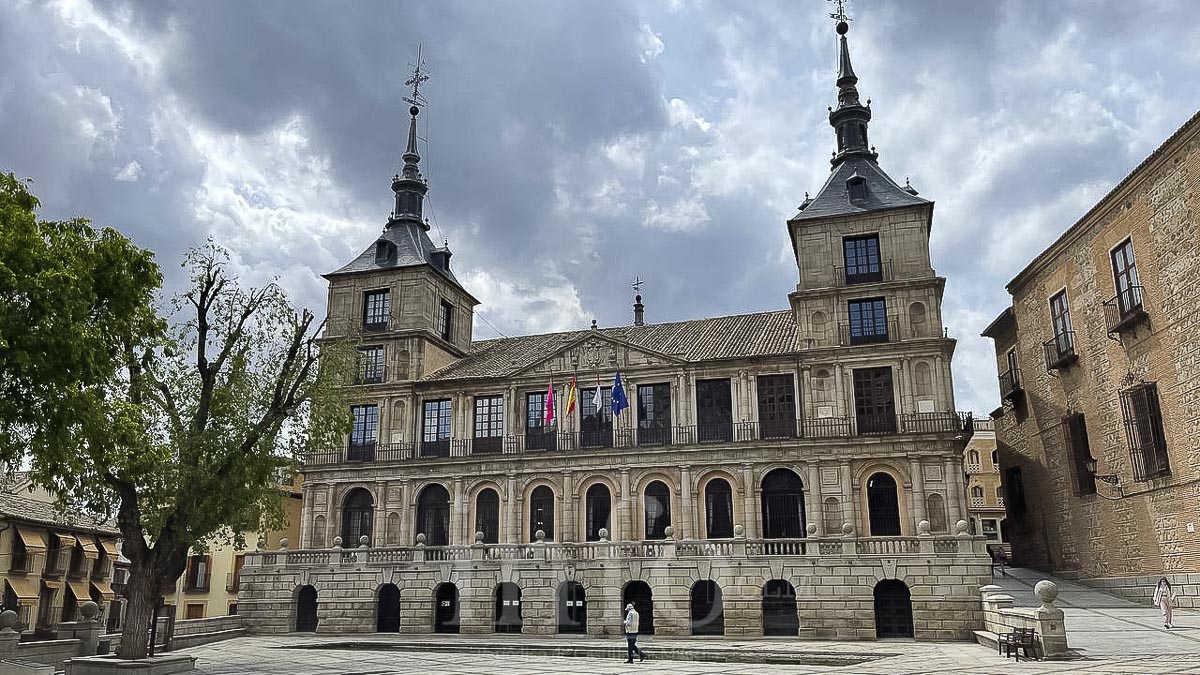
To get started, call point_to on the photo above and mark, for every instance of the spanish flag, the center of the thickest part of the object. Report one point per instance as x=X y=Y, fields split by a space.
x=571 y=396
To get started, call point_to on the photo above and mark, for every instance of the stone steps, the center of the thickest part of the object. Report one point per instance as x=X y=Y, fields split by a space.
x=675 y=652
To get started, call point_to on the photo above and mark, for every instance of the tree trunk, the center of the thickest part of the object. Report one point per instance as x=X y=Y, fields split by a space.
x=141 y=594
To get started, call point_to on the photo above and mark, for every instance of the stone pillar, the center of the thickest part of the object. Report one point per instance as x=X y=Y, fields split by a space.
x=684 y=531
x=380 y=515
x=839 y=388
x=813 y=506
x=566 y=522
x=331 y=511
x=306 y=518
x=918 y=491
x=625 y=512
x=9 y=637
x=849 y=505
x=908 y=395
x=954 y=494
x=407 y=514
x=457 y=536
x=806 y=400
x=749 y=513
x=511 y=535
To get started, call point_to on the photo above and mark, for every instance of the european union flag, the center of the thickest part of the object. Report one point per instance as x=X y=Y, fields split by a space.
x=619 y=402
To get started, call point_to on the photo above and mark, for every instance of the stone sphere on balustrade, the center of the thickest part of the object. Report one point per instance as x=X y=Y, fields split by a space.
x=337 y=542
x=812 y=529
x=420 y=539
x=364 y=540
x=479 y=537
x=89 y=610
x=847 y=529
x=603 y=534
x=540 y=535
x=1046 y=591
x=8 y=619
x=961 y=527
x=923 y=527
x=669 y=531
x=739 y=530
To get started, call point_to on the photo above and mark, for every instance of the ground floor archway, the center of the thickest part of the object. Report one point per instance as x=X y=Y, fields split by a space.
x=445 y=608
x=639 y=594
x=306 y=610
x=708 y=609
x=893 y=610
x=387 y=615
x=508 y=608
x=779 y=608
x=572 y=608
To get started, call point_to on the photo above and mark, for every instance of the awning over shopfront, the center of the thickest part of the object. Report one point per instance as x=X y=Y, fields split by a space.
x=25 y=589
x=90 y=550
x=111 y=548
x=82 y=592
x=35 y=541
x=105 y=590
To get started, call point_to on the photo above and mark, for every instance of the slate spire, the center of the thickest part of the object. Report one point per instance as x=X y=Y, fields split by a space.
x=851 y=117
x=410 y=187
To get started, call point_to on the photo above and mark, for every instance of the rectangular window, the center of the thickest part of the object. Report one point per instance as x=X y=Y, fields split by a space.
x=538 y=436
x=53 y=553
x=868 y=321
x=363 y=432
x=874 y=401
x=370 y=365
x=376 y=309
x=445 y=320
x=20 y=558
x=1144 y=428
x=197 y=573
x=776 y=406
x=1125 y=279
x=595 y=422
x=435 y=434
x=654 y=414
x=489 y=424
x=714 y=411
x=1060 y=319
x=235 y=581
x=1079 y=452
x=861 y=255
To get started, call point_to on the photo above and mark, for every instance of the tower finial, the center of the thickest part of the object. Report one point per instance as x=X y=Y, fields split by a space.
x=409 y=186
x=638 y=307
x=850 y=117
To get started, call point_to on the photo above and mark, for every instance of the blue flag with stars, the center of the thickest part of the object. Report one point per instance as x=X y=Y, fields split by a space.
x=619 y=402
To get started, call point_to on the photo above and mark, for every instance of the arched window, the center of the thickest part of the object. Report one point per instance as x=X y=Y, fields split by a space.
x=935 y=507
x=977 y=492
x=433 y=515
x=599 y=508
x=541 y=513
x=487 y=515
x=358 y=510
x=658 y=510
x=782 y=505
x=973 y=457
x=883 y=505
x=718 y=509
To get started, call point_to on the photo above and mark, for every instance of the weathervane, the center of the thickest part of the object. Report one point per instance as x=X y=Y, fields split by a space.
x=840 y=14
x=637 y=285
x=419 y=77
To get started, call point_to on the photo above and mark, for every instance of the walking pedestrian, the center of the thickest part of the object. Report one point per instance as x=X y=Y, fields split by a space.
x=631 y=632
x=1164 y=595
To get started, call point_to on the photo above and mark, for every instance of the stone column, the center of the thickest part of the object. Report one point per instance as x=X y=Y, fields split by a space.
x=839 y=388
x=306 y=518
x=380 y=516
x=908 y=395
x=684 y=531
x=806 y=402
x=407 y=514
x=332 y=528
x=511 y=535
x=749 y=513
x=954 y=494
x=918 y=492
x=625 y=513
x=566 y=522
x=813 y=506
x=849 y=504
x=457 y=536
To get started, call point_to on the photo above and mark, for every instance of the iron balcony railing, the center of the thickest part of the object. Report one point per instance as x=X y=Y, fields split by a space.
x=377 y=327
x=371 y=375
x=1124 y=310
x=1060 y=350
x=674 y=436
x=869 y=332
x=862 y=274
x=1010 y=384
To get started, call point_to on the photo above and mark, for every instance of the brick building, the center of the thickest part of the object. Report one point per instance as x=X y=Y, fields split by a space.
x=794 y=472
x=1099 y=355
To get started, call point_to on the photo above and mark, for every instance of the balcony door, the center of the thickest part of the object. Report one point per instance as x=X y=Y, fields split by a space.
x=1125 y=278
x=714 y=411
x=654 y=414
x=874 y=400
x=1060 y=318
x=776 y=406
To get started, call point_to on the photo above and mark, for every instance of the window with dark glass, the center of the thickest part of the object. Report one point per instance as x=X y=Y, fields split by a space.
x=1060 y=319
x=718 y=509
x=364 y=431
x=358 y=512
x=714 y=410
x=1075 y=435
x=857 y=187
x=874 y=401
x=53 y=553
x=654 y=414
x=198 y=569
x=489 y=424
x=1125 y=279
x=376 y=308
x=1015 y=490
x=861 y=255
x=541 y=513
x=433 y=515
x=487 y=515
x=435 y=434
x=883 y=505
x=776 y=406
x=20 y=558
x=783 y=505
x=1014 y=376
x=595 y=423
x=658 y=510
x=370 y=365
x=868 y=321
x=599 y=509
x=445 y=320
x=1144 y=429
x=538 y=435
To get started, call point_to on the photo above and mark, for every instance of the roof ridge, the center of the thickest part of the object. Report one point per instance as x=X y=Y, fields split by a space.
x=499 y=340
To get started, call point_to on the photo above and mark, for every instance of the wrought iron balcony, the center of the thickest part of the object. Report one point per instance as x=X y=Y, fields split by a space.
x=1060 y=350
x=862 y=274
x=371 y=375
x=869 y=332
x=377 y=327
x=1124 y=310
x=1010 y=384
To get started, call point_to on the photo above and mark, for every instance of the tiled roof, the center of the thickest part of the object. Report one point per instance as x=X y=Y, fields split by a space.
x=25 y=506
x=725 y=337
x=834 y=199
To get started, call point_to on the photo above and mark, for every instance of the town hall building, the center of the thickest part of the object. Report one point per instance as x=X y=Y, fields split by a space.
x=795 y=472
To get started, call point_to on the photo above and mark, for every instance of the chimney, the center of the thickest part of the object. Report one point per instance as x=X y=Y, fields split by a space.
x=638 y=309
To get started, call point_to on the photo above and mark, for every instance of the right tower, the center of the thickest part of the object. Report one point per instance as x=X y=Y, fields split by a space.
x=868 y=310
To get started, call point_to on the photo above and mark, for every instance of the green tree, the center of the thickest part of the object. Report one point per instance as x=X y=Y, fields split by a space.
x=185 y=427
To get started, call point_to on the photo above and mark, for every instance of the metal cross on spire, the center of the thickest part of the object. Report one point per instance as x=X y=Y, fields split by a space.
x=419 y=77
x=840 y=13
x=637 y=284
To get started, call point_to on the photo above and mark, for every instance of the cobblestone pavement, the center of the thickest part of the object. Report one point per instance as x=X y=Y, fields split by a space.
x=1106 y=634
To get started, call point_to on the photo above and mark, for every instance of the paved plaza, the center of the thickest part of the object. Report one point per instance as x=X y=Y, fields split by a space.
x=1106 y=634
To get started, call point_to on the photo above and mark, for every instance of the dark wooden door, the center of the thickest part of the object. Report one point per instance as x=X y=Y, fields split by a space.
x=388 y=619
x=306 y=610
x=883 y=506
x=779 y=609
x=708 y=609
x=776 y=406
x=572 y=608
x=893 y=610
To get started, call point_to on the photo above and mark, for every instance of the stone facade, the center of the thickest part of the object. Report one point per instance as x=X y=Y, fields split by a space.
x=790 y=472
x=1119 y=389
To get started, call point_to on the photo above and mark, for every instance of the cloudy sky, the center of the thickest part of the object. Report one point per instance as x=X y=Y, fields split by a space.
x=572 y=145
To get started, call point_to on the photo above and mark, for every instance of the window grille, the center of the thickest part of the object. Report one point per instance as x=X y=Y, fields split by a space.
x=1144 y=428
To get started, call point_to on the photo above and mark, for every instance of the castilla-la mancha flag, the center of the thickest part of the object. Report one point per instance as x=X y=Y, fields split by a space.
x=550 y=404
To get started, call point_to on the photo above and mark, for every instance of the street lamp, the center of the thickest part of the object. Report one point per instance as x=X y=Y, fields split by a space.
x=1090 y=465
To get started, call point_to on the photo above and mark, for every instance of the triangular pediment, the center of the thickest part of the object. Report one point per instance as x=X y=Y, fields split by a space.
x=597 y=352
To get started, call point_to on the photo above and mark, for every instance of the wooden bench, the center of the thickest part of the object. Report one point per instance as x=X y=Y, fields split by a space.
x=1018 y=639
